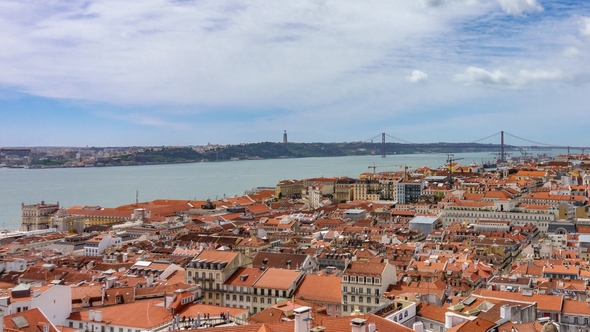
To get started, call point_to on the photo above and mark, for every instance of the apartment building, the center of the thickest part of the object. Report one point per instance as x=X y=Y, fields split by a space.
x=363 y=284
x=274 y=284
x=210 y=269
x=239 y=288
x=409 y=191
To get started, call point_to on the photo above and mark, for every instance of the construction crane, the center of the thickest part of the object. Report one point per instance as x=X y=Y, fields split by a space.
x=449 y=162
x=374 y=167
x=404 y=167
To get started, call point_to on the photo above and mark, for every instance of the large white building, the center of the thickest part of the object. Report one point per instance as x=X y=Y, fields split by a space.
x=54 y=301
x=97 y=245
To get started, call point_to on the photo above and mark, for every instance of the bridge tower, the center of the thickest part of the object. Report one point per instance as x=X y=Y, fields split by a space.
x=382 y=145
x=502 y=152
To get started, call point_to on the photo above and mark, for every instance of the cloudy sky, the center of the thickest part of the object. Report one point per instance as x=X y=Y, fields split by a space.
x=183 y=72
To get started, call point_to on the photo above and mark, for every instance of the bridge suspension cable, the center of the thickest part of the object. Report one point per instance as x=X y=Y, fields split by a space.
x=399 y=139
x=529 y=141
x=482 y=139
x=372 y=138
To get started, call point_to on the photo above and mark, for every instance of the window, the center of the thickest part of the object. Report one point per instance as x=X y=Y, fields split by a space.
x=344 y=308
x=352 y=298
x=190 y=273
x=227 y=297
x=360 y=290
x=234 y=297
x=368 y=291
x=247 y=298
x=344 y=298
x=369 y=280
x=376 y=300
x=261 y=291
x=352 y=279
x=241 y=298
x=360 y=299
x=71 y=324
x=255 y=300
x=361 y=280
x=269 y=301
x=345 y=278
x=217 y=296
x=345 y=289
x=377 y=281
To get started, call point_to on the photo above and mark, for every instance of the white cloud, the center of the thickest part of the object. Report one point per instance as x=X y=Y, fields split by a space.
x=571 y=52
x=474 y=75
x=517 y=7
x=439 y=3
x=497 y=78
x=417 y=76
x=585 y=28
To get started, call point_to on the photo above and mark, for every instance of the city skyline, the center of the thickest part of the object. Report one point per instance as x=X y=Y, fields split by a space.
x=151 y=73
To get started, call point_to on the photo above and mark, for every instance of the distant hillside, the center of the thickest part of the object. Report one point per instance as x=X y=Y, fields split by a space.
x=271 y=150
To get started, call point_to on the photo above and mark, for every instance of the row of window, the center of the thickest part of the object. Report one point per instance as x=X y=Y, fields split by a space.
x=203 y=275
x=359 y=290
x=360 y=299
x=361 y=280
x=235 y=298
x=269 y=292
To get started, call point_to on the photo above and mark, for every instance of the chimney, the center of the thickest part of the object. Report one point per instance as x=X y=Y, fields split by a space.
x=91 y=315
x=358 y=325
x=302 y=318
x=505 y=312
x=418 y=327
x=448 y=320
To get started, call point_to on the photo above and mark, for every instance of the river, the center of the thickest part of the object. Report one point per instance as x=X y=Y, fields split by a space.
x=114 y=186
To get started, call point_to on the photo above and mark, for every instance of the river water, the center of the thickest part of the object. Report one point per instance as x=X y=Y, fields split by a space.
x=114 y=186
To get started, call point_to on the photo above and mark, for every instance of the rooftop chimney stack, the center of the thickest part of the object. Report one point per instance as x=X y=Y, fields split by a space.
x=302 y=318
x=358 y=325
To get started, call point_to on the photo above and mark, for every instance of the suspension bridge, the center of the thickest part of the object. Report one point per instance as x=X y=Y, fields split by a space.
x=502 y=146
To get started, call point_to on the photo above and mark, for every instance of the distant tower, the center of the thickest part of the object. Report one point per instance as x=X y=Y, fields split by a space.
x=285 y=137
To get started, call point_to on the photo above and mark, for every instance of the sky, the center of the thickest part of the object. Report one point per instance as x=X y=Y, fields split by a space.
x=193 y=72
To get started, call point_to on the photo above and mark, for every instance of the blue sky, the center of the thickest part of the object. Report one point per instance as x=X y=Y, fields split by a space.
x=161 y=72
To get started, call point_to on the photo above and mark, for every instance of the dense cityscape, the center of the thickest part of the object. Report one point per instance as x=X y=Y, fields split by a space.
x=472 y=247
x=295 y=166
